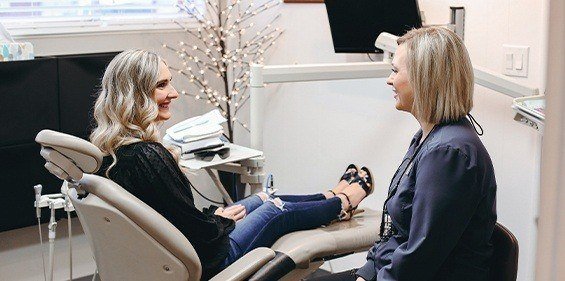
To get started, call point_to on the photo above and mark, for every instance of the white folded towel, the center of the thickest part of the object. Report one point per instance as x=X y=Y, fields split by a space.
x=202 y=132
x=209 y=123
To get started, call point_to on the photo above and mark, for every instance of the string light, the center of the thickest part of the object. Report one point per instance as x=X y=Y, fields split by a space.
x=229 y=44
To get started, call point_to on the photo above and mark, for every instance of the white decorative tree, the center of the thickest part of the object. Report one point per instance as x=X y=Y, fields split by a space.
x=216 y=55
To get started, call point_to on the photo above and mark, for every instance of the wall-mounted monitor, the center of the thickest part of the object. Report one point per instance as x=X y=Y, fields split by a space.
x=355 y=24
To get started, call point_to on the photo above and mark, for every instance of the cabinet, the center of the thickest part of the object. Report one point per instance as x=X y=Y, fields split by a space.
x=45 y=93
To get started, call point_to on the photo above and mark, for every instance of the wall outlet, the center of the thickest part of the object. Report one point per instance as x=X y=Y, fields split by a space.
x=516 y=60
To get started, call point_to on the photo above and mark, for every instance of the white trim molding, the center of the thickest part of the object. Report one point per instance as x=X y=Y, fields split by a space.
x=550 y=252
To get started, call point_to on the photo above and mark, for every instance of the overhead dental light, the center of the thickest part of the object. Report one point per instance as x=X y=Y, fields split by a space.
x=387 y=42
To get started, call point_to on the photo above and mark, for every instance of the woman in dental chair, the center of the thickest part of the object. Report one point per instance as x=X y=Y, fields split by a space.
x=440 y=212
x=134 y=101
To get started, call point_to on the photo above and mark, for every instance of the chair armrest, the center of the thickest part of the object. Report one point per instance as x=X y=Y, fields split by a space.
x=246 y=265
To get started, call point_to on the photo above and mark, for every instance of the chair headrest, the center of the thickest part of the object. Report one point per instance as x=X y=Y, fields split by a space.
x=68 y=157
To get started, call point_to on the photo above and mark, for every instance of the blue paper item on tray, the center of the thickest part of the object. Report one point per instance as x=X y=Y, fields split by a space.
x=11 y=51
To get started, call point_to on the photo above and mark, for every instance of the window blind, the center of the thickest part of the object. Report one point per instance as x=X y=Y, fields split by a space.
x=30 y=13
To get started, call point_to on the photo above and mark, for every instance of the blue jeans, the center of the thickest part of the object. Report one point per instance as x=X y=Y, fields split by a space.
x=266 y=222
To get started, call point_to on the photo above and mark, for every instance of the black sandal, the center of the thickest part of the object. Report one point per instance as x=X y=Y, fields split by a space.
x=348 y=176
x=366 y=182
x=346 y=215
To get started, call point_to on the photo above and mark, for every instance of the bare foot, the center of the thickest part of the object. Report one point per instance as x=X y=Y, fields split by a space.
x=337 y=189
x=344 y=201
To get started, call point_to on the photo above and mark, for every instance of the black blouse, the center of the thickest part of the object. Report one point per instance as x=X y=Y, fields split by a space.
x=444 y=211
x=148 y=171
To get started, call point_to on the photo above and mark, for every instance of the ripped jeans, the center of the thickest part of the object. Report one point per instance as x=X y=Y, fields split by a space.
x=267 y=221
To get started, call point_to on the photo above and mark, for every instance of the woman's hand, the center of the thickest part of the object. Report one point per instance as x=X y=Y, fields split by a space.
x=360 y=279
x=233 y=212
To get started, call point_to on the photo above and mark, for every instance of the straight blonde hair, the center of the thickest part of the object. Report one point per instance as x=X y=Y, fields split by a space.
x=125 y=110
x=440 y=73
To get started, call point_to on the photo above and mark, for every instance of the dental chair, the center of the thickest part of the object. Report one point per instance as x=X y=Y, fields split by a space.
x=131 y=241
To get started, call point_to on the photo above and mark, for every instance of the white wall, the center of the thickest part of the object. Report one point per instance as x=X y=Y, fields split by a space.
x=313 y=130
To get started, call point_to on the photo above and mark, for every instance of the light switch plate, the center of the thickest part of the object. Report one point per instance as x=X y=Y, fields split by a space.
x=516 y=60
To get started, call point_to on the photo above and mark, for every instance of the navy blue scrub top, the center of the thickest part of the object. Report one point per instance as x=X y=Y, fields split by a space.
x=444 y=211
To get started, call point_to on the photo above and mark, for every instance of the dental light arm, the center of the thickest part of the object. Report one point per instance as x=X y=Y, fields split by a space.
x=261 y=75
x=483 y=76
x=501 y=83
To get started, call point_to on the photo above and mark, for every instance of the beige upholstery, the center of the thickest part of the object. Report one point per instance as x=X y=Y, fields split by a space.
x=64 y=169
x=85 y=155
x=307 y=248
x=335 y=239
x=137 y=243
x=129 y=239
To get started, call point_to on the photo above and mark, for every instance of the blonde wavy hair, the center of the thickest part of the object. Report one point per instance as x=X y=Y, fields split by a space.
x=440 y=73
x=125 y=110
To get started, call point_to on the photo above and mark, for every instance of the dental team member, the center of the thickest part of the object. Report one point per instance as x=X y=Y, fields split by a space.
x=135 y=99
x=441 y=209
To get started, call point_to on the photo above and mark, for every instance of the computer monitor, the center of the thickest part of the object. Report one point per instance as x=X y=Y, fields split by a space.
x=355 y=24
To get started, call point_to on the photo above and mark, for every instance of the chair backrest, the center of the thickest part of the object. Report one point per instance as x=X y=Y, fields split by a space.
x=129 y=239
x=504 y=263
